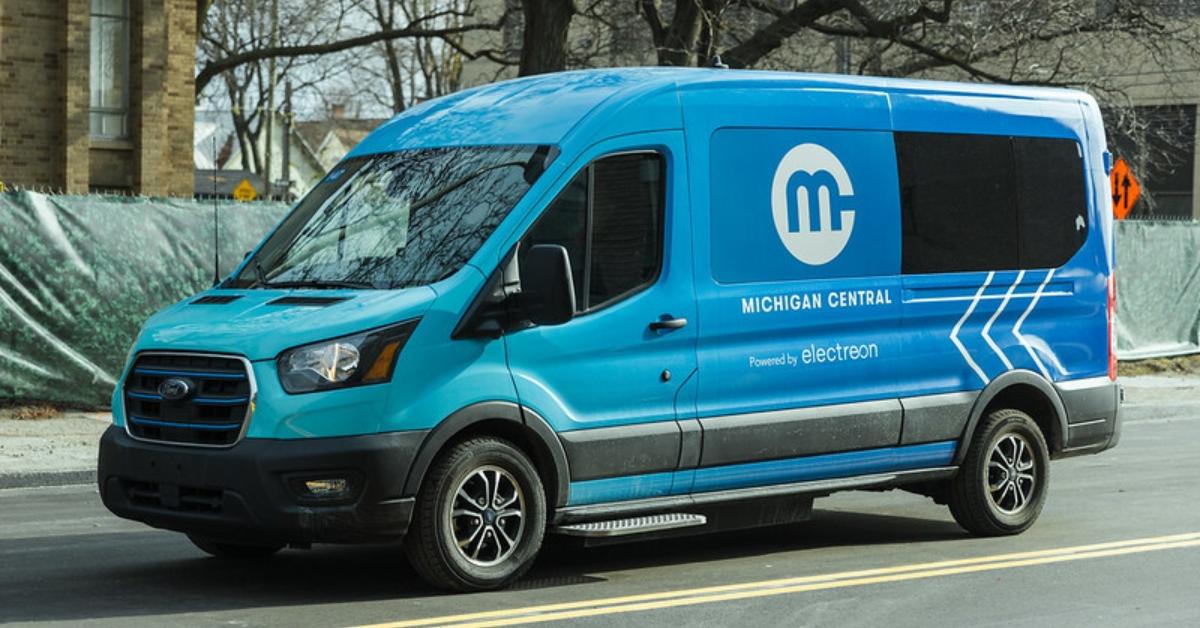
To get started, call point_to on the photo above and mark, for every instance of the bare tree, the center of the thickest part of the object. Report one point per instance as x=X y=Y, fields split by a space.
x=335 y=36
x=419 y=46
x=235 y=26
x=415 y=68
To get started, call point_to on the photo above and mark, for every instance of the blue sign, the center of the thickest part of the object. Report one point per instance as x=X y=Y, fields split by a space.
x=803 y=204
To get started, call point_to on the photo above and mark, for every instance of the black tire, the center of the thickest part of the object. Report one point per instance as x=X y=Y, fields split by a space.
x=235 y=551
x=986 y=499
x=432 y=545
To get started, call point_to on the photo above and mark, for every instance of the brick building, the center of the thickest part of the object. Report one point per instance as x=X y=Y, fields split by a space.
x=97 y=95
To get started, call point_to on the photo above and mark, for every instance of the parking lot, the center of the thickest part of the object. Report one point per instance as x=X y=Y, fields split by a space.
x=1118 y=543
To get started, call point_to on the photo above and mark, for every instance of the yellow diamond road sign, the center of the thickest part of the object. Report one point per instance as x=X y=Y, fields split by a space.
x=244 y=191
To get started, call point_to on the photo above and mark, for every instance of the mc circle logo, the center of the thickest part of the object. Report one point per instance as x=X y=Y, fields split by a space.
x=808 y=201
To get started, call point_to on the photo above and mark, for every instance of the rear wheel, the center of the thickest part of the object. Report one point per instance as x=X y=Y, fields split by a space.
x=480 y=517
x=237 y=551
x=1001 y=487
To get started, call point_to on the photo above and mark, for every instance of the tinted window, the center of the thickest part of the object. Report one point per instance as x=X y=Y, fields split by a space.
x=956 y=199
x=978 y=202
x=1052 y=208
x=609 y=218
x=565 y=223
x=626 y=214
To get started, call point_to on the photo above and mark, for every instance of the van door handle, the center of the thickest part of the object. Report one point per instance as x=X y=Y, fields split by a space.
x=664 y=324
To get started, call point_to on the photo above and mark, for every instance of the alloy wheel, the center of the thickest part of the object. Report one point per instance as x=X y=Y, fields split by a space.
x=1012 y=474
x=486 y=517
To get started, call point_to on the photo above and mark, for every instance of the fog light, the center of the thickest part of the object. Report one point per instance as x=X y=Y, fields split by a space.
x=330 y=488
x=324 y=489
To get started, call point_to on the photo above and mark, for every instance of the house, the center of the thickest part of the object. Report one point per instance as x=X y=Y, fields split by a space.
x=331 y=139
x=314 y=146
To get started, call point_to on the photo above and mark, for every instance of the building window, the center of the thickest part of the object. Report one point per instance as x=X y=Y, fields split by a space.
x=109 y=69
x=1160 y=146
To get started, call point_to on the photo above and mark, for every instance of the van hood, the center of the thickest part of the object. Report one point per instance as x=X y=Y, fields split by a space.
x=259 y=324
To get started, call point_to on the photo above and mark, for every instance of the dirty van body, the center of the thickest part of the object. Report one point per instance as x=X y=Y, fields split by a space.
x=620 y=304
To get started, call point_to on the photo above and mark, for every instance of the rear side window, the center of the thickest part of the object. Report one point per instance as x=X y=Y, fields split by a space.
x=610 y=219
x=979 y=202
x=1052 y=210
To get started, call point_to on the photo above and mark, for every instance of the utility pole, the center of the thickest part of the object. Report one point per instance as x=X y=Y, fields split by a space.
x=843 y=55
x=270 y=112
x=288 y=118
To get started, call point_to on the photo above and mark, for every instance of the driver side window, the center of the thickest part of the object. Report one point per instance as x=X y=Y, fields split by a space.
x=610 y=220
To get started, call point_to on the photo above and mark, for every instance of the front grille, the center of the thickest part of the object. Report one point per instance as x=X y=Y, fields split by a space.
x=213 y=412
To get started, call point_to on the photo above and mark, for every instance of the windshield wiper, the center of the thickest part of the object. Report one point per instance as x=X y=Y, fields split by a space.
x=260 y=275
x=318 y=283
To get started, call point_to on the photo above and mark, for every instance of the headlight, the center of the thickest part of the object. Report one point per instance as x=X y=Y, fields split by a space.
x=365 y=358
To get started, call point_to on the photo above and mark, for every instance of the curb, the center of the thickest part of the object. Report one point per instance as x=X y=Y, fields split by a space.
x=47 y=478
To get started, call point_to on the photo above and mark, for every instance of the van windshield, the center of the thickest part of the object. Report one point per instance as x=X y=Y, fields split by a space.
x=395 y=220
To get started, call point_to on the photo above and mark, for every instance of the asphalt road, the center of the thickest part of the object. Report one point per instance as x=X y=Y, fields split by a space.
x=1118 y=544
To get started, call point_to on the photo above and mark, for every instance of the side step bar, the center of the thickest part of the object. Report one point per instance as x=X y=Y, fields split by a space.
x=631 y=525
x=608 y=511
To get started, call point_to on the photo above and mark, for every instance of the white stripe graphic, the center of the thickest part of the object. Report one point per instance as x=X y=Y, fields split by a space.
x=1020 y=321
x=993 y=297
x=958 y=326
x=988 y=327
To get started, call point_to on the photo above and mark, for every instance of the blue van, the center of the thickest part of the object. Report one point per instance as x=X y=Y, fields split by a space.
x=621 y=304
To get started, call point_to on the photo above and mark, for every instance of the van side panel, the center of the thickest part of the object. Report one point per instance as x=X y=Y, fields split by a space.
x=797 y=280
x=780 y=395
x=782 y=333
x=605 y=381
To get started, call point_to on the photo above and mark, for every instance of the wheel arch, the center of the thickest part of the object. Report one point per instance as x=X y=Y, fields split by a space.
x=507 y=420
x=1021 y=390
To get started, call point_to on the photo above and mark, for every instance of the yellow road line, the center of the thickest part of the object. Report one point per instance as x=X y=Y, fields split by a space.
x=684 y=597
x=741 y=595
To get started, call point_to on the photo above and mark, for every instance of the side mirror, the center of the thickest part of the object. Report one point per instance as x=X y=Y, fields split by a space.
x=547 y=289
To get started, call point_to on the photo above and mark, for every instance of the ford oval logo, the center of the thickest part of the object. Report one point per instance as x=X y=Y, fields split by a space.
x=175 y=388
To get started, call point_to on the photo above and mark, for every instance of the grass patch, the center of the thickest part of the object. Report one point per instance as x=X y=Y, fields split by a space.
x=1178 y=365
x=29 y=412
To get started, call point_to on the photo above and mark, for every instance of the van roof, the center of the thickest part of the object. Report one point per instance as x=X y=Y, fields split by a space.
x=544 y=109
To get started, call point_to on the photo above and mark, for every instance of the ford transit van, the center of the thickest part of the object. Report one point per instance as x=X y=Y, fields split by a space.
x=621 y=304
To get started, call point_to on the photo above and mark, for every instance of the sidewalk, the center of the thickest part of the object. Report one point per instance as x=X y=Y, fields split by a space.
x=50 y=452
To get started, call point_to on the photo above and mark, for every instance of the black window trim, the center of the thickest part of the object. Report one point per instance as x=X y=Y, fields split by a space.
x=662 y=226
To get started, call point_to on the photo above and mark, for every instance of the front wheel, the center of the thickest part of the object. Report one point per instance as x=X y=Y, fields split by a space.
x=1001 y=486
x=480 y=517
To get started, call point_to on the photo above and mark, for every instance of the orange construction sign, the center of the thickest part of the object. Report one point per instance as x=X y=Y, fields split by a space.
x=1125 y=189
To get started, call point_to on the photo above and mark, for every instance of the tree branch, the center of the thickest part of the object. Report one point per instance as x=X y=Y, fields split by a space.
x=806 y=15
x=217 y=66
x=770 y=37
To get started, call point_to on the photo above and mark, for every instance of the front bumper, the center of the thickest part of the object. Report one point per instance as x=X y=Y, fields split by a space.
x=243 y=493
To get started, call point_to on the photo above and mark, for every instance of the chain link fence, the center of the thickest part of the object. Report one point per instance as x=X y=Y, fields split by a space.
x=80 y=274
